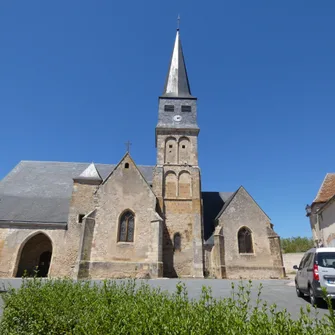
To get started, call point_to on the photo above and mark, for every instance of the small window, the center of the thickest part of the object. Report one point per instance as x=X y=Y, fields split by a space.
x=308 y=262
x=169 y=108
x=126 y=166
x=186 y=108
x=80 y=218
x=177 y=241
x=302 y=262
x=170 y=146
x=183 y=146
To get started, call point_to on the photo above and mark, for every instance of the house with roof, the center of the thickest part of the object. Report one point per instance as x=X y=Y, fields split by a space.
x=83 y=220
x=321 y=213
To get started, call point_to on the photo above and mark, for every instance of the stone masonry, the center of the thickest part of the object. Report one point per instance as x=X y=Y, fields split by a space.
x=100 y=221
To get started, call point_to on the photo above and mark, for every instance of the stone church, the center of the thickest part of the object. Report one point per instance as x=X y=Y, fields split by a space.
x=82 y=220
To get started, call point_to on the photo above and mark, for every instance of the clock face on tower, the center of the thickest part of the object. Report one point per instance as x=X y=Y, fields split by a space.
x=177 y=118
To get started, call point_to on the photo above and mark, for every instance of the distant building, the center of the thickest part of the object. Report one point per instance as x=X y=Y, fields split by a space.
x=112 y=221
x=321 y=213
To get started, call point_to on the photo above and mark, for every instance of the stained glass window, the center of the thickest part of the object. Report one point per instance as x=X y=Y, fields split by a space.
x=245 y=241
x=127 y=226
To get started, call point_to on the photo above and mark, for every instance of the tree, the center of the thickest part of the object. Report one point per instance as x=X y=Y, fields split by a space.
x=296 y=244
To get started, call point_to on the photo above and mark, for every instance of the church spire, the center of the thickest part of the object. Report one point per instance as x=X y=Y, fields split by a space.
x=177 y=85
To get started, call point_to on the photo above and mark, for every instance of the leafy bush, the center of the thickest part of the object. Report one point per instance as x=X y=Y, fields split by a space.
x=67 y=307
x=296 y=244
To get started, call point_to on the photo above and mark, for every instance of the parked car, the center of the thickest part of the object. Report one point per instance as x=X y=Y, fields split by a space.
x=316 y=270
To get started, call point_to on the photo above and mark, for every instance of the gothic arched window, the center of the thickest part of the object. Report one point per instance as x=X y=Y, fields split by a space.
x=245 y=241
x=177 y=241
x=126 y=227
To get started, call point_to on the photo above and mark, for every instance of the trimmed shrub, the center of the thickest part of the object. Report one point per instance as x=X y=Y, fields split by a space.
x=69 y=307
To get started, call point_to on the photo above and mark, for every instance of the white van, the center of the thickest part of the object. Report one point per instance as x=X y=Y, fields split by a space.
x=316 y=270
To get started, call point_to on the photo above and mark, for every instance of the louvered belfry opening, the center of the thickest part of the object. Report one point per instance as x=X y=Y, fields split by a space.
x=169 y=108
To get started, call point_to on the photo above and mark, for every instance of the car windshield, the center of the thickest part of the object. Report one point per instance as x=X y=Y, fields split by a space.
x=326 y=259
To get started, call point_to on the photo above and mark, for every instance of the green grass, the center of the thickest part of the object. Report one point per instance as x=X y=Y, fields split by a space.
x=68 y=307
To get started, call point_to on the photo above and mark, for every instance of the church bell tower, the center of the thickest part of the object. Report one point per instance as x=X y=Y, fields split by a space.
x=177 y=182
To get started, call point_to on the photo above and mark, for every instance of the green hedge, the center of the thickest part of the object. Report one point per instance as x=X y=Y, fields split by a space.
x=67 y=307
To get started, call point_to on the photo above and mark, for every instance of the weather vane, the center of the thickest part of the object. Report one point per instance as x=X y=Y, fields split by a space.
x=178 y=22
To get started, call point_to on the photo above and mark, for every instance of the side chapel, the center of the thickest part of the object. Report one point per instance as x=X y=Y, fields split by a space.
x=114 y=221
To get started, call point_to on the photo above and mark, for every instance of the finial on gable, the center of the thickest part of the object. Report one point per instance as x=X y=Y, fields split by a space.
x=128 y=144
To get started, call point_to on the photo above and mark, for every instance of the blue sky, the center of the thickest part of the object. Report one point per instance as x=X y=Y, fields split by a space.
x=80 y=78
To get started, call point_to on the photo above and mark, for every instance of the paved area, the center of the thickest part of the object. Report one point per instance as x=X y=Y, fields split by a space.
x=280 y=292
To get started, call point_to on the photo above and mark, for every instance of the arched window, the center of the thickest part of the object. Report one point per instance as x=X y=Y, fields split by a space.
x=171 y=148
x=171 y=184
x=245 y=241
x=185 y=185
x=177 y=241
x=126 y=227
x=184 y=149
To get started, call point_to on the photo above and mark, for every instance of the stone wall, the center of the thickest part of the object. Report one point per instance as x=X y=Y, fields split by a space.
x=314 y=222
x=176 y=184
x=88 y=247
x=290 y=260
x=13 y=240
x=265 y=260
x=183 y=216
x=327 y=225
x=82 y=203
x=125 y=189
x=170 y=148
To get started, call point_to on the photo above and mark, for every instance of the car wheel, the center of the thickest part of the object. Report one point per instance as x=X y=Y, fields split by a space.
x=297 y=290
x=313 y=300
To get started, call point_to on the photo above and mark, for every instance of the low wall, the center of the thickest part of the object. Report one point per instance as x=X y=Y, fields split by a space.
x=253 y=272
x=112 y=270
x=292 y=259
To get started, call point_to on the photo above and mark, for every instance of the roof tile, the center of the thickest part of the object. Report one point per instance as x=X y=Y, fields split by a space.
x=327 y=188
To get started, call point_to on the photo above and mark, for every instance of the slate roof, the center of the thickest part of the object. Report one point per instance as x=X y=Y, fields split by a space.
x=177 y=84
x=40 y=191
x=226 y=204
x=327 y=188
x=228 y=197
x=213 y=202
